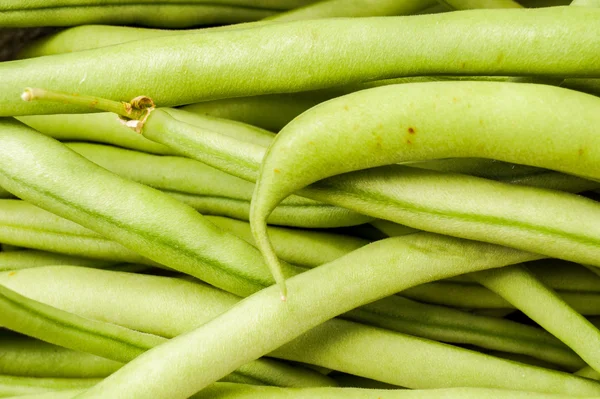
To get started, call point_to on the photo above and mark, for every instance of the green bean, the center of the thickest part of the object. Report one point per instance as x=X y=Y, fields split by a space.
x=18 y=386
x=27 y=225
x=353 y=8
x=214 y=191
x=155 y=225
x=523 y=290
x=524 y=359
x=32 y=358
x=16 y=260
x=240 y=391
x=163 y=14
x=455 y=326
x=405 y=131
x=34 y=4
x=468 y=296
x=366 y=274
x=121 y=344
x=184 y=307
x=299 y=247
x=359 y=337
x=476 y=4
x=556 y=274
x=113 y=77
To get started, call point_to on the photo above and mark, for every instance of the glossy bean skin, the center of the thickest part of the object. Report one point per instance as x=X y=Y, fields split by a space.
x=477 y=4
x=273 y=4
x=81 y=72
x=213 y=192
x=183 y=307
x=162 y=15
x=353 y=8
x=405 y=132
x=157 y=226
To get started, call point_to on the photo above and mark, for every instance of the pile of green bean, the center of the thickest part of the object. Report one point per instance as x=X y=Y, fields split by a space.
x=391 y=199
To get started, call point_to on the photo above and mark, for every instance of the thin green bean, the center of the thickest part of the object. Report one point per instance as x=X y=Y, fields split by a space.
x=16 y=260
x=353 y=8
x=18 y=386
x=382 y=133
x=210 y=55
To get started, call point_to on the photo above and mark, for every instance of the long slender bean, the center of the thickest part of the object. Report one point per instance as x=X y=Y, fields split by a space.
x=210 y=187
x=32 y=358
x=24 y=224
x=477 y=4
x=34 y=4
x=383 y=134
x=18 y=386
x=15 y=260
x=364 y=275
x=353 y=8
x=208 y=72
x=184 y=307
x=240 y=391
x=118 y=343
x=155 y=225
x=159 y=14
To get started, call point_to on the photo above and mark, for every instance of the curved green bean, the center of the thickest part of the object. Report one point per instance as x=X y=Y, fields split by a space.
x=155 y=225
x=353 y=8
x=160 y=14
x=393 y=124
x=183 y=307
x=369 y=273
x=118 y=343
x=204 y=67
x=522 y=289
x=41 y=4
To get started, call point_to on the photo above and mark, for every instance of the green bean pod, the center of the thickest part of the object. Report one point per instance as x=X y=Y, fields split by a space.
x=468 y=296
x=241 y=391
x=369 y=273
x=24 y=224
x=213 y=191
x=155 y=225
x=203 y=63
x=16 y=260
x=160 y=14
x=32 y=358
x=183 y=307
x=20 y=386
x=121 y=344
x=353 y=8
x=522 y=289
x=393 y=124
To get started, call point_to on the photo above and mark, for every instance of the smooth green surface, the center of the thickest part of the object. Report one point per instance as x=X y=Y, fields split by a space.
x=17 y=386
x=204 y=68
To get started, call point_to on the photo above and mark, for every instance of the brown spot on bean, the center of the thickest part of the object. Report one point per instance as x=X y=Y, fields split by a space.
x=12 y=273
x=581 y=151
x=276 y=171
x=463 y=65
x=500 y=58
x=346 y=108
x=454 y=100
x=411 y=130
x=408 y=141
